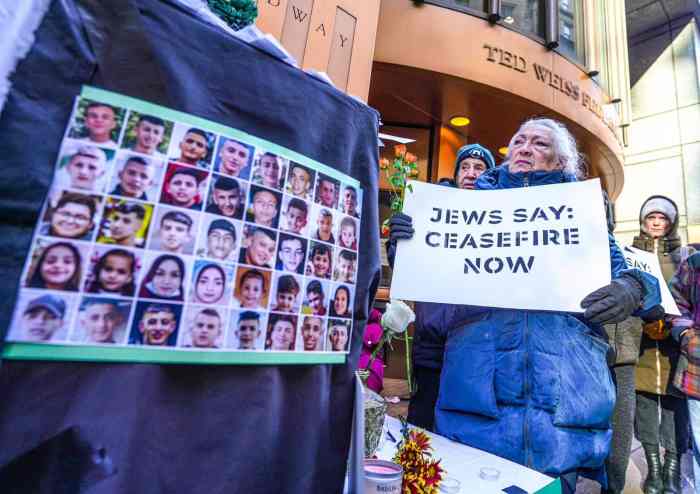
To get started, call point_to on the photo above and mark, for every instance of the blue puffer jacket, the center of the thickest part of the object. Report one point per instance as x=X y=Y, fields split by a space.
x=530 y=386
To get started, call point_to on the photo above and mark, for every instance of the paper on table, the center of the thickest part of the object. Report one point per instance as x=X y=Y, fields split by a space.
x=464 y=463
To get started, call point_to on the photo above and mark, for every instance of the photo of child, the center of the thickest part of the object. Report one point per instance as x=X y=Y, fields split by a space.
x=312 y=333
x=300 y=181
x=102 y=321
x=164 y=279
x=286 y=289
x=347 y=233
x=345 y=266
x=97 y=123
x=269 y=170
x=234 y=158
x=125 y=223
x=83 y=167
x=147 y=134
x=247 y=330
x=41 y=317
x=252 y=288
x=211 y=283
x=70 y=215
x=341 y=304
x=281 y=333
x=113 y=271
x=319 y=261
x=263 y=206
x=203 y=328
x=174 y=230
x=338 y=335
x=155 y=324
x=56 y=266
x=295 y=216
x=191 y=146
x=315 y=298
x=184 y=187
x=136 y=177
x=350 y=201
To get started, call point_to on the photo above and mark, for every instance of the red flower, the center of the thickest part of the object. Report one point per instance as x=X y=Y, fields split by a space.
x=421 y=439
x=432 y=472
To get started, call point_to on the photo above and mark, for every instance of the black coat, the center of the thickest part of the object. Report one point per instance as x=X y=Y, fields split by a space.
x=142 y=428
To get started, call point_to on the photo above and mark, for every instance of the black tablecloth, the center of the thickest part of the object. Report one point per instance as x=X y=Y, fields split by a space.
x=108 y=428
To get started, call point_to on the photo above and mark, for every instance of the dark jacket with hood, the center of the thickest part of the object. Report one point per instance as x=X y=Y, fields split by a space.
x=658 y=358
x=429 y=345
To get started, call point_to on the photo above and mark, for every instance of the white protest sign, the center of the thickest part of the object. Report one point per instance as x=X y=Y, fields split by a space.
x=649 y=263
x=539 y=248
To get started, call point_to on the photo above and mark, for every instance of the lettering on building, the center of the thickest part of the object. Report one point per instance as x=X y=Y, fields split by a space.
x=546 y=76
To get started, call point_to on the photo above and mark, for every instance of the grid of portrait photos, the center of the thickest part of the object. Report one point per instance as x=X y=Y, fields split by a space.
x=160 y=233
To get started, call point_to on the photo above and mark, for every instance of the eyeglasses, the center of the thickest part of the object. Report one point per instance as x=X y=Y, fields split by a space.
x=78 y=218
x=296 y=252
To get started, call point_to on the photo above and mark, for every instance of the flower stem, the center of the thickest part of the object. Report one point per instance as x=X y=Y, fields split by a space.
x=408 y=363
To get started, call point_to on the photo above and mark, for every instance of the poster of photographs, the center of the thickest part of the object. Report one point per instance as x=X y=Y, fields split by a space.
x=169 y=238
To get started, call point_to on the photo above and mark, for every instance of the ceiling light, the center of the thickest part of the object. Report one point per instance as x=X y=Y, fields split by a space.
x=503 y=150
x=459 y=121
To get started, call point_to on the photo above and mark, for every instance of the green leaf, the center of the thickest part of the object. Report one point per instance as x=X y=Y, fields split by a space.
x=409 y=187
x=397 y=181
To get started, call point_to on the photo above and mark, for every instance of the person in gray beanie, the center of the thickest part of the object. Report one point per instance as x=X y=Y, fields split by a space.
x=661 y=416
x=472 y=160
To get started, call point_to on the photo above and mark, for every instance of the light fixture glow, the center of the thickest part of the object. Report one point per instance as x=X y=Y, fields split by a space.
x=503 y=150
x=459 y=121
x=509 y=20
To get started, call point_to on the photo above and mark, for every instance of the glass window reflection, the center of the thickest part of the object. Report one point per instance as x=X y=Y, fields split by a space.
x=524 y=15
x=477 y=5
x=571 y=35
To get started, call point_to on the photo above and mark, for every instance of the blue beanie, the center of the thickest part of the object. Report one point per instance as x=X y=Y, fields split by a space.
x=475 y=151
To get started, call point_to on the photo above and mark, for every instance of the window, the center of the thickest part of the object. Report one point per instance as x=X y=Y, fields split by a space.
x=571 y=33
x=524 y=15
x=477 y=5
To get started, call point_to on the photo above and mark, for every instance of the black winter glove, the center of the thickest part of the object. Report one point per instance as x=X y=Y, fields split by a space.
x=400 y=227
x=614 y=302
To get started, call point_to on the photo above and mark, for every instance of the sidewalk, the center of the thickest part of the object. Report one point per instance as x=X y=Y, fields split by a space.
x=636 y=470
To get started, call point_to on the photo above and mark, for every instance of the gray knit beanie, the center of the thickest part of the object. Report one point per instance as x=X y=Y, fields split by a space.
x=659 y=205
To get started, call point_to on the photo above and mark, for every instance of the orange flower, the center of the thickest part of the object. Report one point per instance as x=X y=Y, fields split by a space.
x=399 y=150
x=383 y=164
x=385 y=231
x=411 y=158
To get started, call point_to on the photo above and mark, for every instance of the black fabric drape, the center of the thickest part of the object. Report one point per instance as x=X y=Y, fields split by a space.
x=214 y=429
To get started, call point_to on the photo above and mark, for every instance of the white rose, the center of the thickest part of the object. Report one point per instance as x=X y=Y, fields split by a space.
x=398 y=316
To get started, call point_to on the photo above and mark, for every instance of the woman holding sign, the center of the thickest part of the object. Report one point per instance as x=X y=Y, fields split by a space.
x=534 y=386
x=661 y=416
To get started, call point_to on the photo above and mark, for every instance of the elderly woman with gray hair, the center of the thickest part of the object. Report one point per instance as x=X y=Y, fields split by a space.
x=534 y=386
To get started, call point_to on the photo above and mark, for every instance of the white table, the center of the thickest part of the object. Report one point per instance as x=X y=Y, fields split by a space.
x=464 y=463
